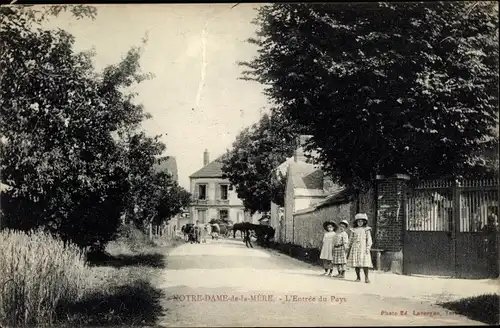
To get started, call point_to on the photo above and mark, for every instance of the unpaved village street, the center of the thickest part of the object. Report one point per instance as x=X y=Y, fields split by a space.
x=223 y=283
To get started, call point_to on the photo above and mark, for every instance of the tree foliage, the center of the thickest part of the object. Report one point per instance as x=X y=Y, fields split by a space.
x=70 y=150
x=256 y=153
x=384 y=87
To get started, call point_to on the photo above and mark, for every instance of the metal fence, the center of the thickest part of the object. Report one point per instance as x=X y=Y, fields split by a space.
x=430 y=205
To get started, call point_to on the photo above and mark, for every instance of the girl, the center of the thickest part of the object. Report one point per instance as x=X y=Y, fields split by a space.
x=340 y=243
x=326 y=250
x=359 y=247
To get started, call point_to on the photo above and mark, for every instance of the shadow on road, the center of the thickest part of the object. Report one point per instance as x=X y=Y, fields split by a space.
x=484 y=308
x=321 y=276
x=129 y=305
x=154 y=260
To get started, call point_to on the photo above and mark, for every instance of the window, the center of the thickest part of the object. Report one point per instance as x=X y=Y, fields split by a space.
x=202 y=191
x=224 y=191
x=223 y=214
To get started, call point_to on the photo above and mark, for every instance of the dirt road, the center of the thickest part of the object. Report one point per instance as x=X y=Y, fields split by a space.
x=226 y=284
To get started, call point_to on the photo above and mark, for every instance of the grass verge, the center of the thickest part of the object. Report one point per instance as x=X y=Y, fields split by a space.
x=46 y=282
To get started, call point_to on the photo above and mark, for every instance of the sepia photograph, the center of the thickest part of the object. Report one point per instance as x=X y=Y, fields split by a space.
x=326 y=164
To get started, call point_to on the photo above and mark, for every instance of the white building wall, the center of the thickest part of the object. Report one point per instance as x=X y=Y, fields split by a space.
x=303 y=202
x=234 y=205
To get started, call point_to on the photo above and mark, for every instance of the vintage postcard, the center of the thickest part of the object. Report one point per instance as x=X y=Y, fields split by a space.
x=249 y=164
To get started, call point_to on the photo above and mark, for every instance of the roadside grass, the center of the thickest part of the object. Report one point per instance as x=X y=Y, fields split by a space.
x=121 y=297
x=46 y=282
x=123 y=294
x=484 y=308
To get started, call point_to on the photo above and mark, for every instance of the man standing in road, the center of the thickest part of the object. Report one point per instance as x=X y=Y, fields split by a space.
x=197 y=232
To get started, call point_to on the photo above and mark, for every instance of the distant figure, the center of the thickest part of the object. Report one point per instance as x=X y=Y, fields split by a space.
x=197 y=232
x=491 y=229
x=476 y=224
x=492 y=223
x=215 y=231
x=204 y=232
x=208 y=231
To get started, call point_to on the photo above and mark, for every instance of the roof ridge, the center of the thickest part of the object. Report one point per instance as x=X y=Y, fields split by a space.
x=211 y=170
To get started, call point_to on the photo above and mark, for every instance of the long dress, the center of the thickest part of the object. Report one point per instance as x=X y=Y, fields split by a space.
x=340 y=243
x=359 y=248
x=326 y=249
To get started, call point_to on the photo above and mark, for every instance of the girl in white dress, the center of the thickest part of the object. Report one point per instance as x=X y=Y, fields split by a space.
x=360 y=245
x=327 y=248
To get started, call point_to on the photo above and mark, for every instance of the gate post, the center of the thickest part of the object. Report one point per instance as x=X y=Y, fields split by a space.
x=455 y=224
x=390 y=224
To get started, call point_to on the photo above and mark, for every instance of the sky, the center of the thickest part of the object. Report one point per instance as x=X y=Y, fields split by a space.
x=196 y=99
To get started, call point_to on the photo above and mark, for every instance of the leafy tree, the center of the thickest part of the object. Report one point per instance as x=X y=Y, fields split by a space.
x=255 y=154
x=384 y=87
x=69 y=147
x=153 y=197
x=172 y=201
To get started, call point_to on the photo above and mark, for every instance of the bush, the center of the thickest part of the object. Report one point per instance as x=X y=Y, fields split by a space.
x=37 y=273
x=130 y=239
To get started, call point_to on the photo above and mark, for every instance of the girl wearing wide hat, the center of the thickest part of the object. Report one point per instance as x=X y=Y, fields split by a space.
x=340 y=244
x=326 y=254
x=359 y=247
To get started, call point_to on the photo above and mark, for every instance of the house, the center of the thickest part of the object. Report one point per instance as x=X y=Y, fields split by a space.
x=169 y=164
x=214 y=197
x=277 y=212
x=306 y=185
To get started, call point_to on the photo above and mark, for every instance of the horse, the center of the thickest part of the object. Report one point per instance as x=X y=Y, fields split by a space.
x=239 y=227
x=263 y=233
x=246 y=229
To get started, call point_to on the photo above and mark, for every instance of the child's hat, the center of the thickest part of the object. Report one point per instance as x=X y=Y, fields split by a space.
x=361 y=216
x=344 y=222
x=327 y=223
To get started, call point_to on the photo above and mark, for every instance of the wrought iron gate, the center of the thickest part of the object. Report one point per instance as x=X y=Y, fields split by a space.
x=447 y=230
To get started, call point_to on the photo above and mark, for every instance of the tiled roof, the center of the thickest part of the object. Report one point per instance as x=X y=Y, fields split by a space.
x=169 y=165
x=306 y=176
x=211 y=170
x=341 y=195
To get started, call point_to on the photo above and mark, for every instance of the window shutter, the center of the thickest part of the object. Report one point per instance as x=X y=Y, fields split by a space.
x=218 y=195
x=226 y=192
x=196 y=194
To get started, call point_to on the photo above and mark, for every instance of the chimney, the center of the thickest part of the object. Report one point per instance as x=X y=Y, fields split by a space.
x=206 y=158
x=299 y=154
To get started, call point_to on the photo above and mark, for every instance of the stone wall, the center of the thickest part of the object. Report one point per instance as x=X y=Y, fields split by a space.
x=309 y=231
